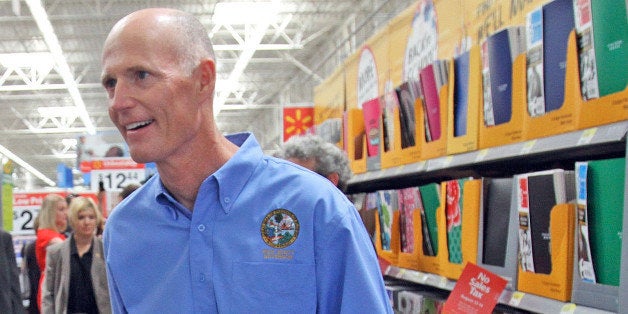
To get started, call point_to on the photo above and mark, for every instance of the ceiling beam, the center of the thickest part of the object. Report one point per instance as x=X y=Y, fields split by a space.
x=45 y=27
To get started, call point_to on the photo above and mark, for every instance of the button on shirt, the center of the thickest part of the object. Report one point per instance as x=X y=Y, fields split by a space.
x=164 y=258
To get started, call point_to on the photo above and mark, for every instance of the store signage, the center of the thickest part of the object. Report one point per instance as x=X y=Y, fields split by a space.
x=476 y=291
x=113 y=174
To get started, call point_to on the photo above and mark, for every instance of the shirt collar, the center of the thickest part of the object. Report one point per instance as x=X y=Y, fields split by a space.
x=231 y=177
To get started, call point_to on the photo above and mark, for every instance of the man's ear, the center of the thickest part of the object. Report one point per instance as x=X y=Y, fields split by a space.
x=334 y=178
x=207 y=70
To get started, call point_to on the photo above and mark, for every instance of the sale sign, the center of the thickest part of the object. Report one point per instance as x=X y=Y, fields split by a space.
x=113 y=174
x=476 y=291
x=26 y=206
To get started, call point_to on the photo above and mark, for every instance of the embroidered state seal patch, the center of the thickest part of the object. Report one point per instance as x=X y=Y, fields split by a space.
x=280 y=228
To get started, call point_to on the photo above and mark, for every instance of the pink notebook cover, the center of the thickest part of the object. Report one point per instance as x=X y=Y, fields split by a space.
x=372 y=112
x=431 y=102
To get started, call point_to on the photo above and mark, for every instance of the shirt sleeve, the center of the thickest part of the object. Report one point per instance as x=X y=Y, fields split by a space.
x=348 y=273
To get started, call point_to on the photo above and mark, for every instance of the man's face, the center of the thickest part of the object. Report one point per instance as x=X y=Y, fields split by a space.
x=154 y=103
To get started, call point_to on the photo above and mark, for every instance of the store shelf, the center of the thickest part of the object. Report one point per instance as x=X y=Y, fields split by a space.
x=582 y=144
x=514 y=299
x=559 y=151
x=418 y=277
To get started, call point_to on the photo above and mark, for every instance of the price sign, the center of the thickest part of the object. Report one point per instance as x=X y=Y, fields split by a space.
x=116 y=179
x=116 y=173
x=23 y=220
x=25 y=208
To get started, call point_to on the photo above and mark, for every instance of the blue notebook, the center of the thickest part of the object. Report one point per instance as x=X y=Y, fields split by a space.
x=558 y=22
x=461 y=93
x=503 y=47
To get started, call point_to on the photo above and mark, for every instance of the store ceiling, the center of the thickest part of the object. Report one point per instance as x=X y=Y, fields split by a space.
x=50 y=90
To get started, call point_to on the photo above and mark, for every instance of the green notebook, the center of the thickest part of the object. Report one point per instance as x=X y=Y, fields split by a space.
x=430 y=195
x=610 y=36
x=605 y=193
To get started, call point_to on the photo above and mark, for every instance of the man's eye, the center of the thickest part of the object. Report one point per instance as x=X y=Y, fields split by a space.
x=142 y=75
x=110 y=83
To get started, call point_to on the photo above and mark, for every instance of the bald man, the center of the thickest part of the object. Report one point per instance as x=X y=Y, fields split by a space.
x=220 y=227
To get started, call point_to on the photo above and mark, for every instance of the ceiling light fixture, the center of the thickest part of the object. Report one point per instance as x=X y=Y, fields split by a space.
x=7 y=153
x=232 y=13
x=257 y=16
x=41 y=18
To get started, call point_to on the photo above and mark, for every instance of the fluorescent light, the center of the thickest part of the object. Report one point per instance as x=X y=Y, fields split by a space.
x=41 y=18
x=26 y=59
x=25 y=165
x=59 y=111
x=244 y=12
x=257 y=14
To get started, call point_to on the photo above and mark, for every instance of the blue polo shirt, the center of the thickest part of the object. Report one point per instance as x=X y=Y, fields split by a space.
x=265 y=235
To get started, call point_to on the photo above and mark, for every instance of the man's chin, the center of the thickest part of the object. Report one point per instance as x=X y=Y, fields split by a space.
x=140 y=158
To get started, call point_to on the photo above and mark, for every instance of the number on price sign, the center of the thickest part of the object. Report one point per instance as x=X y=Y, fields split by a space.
x=113 y=180
x=23 y=220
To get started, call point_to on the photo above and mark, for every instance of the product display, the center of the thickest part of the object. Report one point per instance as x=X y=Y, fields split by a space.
x=533 y=207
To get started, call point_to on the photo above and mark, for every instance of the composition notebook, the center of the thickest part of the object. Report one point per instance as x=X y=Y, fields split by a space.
x=538 y=193
x=534 y=62
x=558 y=22
x=605 y=206
x=610 y=37
x=406 y=95
x=461 y=94
x=371 y=111
x=386 y=206
x=390 y=103
x=500 y=50
x=431 y=102
x=409 y=200
x=602 y=29
x=454 y=214
x=430 y=195
x=496 y=217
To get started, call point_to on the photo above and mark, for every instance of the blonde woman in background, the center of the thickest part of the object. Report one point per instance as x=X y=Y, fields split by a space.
x=53 y=221
x=76 y=281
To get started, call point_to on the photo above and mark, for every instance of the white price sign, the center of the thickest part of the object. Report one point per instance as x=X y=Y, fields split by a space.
x=113 y=179
x=26 y=206
x=24 y=219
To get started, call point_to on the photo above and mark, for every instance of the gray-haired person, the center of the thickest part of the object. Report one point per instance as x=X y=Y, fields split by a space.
x=324 y=158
